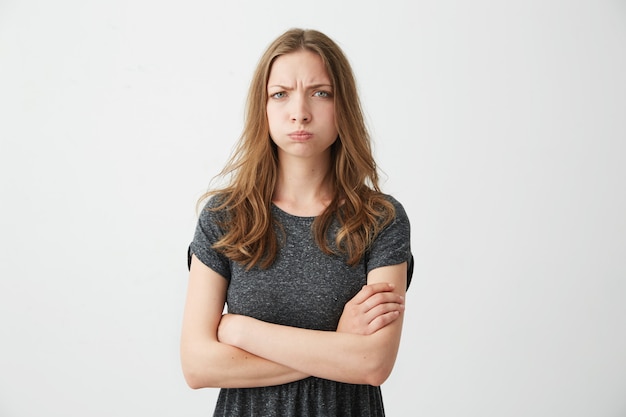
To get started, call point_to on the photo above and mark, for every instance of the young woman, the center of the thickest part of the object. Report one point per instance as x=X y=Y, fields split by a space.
x=310 y=257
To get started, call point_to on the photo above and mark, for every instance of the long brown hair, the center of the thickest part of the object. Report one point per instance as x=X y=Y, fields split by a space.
x=360 y=208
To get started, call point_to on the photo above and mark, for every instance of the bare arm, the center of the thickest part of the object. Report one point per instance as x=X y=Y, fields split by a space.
x=207 y=362
x=346 y=357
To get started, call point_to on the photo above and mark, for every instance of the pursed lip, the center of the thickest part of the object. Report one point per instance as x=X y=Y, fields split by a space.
x=300 y=135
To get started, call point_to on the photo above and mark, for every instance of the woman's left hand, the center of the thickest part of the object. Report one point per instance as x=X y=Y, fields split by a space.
x=373 y=308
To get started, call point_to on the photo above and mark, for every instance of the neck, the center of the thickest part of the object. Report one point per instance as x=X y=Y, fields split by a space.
x=303 y=186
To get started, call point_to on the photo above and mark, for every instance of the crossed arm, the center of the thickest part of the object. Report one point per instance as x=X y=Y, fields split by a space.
x=233 y=351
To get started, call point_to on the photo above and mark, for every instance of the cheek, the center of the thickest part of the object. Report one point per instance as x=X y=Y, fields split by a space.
x=274 y=124
x=326 y=112
x=330 y=119
x=271 y=115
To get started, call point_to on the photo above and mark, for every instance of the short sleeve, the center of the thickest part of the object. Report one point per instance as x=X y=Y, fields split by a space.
x=207 y=233
x=392 y=246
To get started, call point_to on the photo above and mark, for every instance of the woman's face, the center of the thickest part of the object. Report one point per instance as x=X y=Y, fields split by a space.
x=300 y=106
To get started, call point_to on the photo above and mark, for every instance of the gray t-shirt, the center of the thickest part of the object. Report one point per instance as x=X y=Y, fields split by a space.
x=303 y=288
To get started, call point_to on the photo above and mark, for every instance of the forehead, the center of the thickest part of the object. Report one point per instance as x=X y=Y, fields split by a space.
x=298 y=67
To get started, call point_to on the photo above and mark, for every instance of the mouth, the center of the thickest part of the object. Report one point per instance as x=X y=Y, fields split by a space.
x=300 y=135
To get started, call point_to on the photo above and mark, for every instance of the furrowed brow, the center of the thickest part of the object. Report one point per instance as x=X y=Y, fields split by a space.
x=309 y=87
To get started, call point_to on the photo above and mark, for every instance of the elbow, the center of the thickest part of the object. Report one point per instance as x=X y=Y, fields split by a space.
x=377 y=367
x=376 y=376
x=193 y=379
x=196 y=370
x=190 y=372
x=193 y=383
x=378 y=361
x=198 y=378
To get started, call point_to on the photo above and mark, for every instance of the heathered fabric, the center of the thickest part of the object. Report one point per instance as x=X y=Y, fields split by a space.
x=303 y=288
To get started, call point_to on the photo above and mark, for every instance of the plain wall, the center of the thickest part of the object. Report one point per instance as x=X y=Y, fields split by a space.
x=501 y=127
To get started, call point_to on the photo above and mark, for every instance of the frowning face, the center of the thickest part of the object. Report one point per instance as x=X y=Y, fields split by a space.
x=300 y=106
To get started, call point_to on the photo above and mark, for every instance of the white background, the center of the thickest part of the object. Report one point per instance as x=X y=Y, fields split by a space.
x=501 y=126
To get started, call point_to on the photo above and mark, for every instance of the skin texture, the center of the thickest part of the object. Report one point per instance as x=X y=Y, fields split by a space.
x=233 y=351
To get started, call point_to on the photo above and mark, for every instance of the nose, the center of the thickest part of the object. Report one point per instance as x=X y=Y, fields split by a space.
x=300 y=111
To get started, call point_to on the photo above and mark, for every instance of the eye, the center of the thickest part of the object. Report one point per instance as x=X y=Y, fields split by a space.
x=323 y=94
x=278 y=95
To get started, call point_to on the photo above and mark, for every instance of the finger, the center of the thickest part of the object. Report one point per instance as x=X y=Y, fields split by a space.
x=381 y=298
x=381 y=310
x=369 y=290
x=382 y=321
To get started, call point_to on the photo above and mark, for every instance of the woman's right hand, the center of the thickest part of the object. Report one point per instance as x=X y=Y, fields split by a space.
x=371 y=309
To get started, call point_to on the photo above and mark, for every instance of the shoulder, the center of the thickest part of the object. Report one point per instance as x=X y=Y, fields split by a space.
x=214 y=207
x=215 y=201
x=393 y=201
x=213 y=218
x=399 y=211
x=395 y=236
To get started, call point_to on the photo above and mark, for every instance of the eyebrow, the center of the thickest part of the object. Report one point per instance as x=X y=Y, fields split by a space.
x=309 y=87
